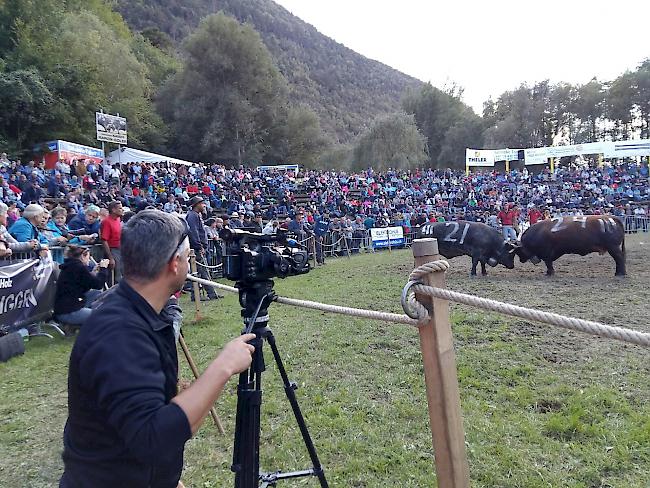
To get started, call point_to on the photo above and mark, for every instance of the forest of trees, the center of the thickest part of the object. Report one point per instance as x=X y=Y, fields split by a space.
x=254 y=83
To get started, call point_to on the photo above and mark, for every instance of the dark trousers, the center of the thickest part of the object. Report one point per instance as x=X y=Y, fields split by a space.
x=203 y=273
x=320 y=255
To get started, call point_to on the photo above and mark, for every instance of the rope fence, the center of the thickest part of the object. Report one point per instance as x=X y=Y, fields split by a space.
x=417 y=314
x=426 y=303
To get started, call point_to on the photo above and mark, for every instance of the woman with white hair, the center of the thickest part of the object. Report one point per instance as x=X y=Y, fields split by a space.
x=12 y=243
x=25 y=229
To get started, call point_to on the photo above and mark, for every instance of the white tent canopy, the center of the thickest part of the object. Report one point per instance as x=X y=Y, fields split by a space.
x=130 y=155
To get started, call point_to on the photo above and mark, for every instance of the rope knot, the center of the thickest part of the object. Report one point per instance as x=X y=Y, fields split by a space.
x=412 y=307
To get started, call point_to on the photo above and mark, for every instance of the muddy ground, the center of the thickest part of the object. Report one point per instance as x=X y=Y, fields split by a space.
x=583 y=287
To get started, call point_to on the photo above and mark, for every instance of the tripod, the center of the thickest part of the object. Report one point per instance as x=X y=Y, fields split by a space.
x=255 y=298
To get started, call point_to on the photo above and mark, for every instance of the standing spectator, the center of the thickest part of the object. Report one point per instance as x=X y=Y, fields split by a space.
x=199 y=243
x=321 y=226
x=111 y=235
x=534 y=215
x=358 y=234
x=507 y=218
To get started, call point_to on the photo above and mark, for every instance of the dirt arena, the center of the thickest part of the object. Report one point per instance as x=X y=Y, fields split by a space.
x=583 y=287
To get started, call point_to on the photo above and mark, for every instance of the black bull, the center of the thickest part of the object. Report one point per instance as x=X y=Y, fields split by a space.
x=479 y=241
x=549 y=239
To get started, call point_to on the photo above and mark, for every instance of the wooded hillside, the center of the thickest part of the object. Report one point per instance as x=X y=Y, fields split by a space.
x=347 y=90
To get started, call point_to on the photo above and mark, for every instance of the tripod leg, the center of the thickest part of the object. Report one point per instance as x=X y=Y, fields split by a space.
x=246 y=451
x=290 y=390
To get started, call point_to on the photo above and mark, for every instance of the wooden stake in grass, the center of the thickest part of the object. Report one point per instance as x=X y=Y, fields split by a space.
x=195 y=286
x=437 y=345
x=195 y=372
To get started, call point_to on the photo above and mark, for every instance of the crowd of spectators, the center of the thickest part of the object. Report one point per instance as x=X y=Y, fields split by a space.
x=75 y=197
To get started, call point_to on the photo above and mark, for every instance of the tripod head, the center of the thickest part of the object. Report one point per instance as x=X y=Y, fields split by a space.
x=255 y=298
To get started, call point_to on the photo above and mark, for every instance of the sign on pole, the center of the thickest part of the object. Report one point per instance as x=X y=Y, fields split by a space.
x=111 y=128
x=387 y=237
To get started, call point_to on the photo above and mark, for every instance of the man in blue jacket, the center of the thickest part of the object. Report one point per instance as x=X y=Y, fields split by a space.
x=127 y=426
x=199 y=242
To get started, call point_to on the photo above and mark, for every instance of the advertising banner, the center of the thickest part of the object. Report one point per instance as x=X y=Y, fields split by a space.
x=479 y=157
x=577 y=149
x=26 y=292
x=628 y=149
x=111 y=128
x=538 y=155
x=506 y=154
x=381 y=236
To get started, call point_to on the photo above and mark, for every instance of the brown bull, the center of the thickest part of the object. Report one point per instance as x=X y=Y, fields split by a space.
x=549 y=239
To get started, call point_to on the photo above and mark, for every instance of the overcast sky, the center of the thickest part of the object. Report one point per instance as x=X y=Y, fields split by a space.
x=489 y=46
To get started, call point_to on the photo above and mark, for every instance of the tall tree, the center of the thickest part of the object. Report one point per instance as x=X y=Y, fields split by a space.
x=305 y=138
x=641 y=98
x=392 y=142
x=228 y=95
x=619 y=105
x=436 y=113
x=589 y=108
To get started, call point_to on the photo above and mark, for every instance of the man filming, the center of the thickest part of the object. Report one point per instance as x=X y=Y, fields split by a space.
x=126 y=425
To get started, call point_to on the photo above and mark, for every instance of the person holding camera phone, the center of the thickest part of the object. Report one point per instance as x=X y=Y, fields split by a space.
x=127 y=424
x=77 y=287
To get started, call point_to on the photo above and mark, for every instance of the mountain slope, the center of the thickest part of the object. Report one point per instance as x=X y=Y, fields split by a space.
x=345 y=89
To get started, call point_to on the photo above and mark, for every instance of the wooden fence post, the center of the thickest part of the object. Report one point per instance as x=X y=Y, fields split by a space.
x=443 y=398
x=195 y=287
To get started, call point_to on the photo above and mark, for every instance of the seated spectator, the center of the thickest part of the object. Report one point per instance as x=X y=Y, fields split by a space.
x=58 y=226
x=271 y=227
x=26 y=228
x=87 y=222
x=77 y=288
x=12 y=243
x=51 y=232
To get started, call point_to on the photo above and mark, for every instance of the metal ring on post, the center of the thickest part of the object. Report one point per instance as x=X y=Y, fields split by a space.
x=406 y=306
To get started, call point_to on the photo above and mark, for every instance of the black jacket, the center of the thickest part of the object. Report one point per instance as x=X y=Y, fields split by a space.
x=74 y=281
x=122 y=429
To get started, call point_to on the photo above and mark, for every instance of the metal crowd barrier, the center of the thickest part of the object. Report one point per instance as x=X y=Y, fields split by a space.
x=635 y=224
x=57 y=253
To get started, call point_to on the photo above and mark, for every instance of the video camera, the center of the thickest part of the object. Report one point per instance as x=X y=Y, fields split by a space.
x=252 y=257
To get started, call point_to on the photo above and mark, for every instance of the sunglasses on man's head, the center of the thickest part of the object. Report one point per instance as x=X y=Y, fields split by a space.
x=186 y=233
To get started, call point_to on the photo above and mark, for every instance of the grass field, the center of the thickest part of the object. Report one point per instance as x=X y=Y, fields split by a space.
x=542 y=407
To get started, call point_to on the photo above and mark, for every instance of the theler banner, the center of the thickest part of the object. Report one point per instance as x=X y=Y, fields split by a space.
x=26 y=293
x=479 y=157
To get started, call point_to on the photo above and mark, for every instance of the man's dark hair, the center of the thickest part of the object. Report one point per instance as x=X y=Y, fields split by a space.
x=112 y=205
x=148 y=240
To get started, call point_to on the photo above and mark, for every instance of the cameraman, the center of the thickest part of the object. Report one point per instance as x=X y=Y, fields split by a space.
x=127 y=426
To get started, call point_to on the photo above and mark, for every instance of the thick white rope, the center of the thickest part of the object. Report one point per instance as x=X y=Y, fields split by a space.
x=208 y=266
x=417 y=314
x=324 y=307
x=416 y=310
